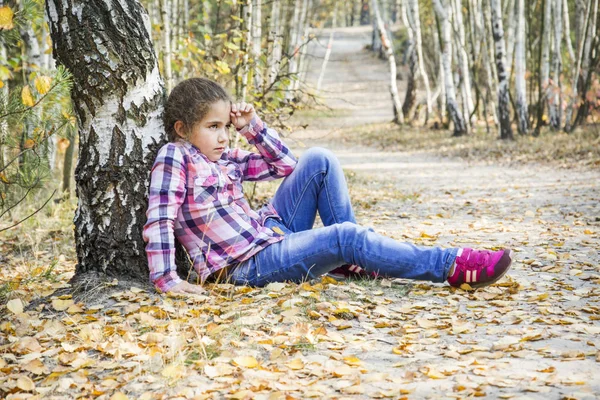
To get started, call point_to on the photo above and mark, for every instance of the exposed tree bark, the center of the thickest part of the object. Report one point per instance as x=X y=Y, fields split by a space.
x=118 y=100
x=274 y=58
x=503 y=96
x=257 y=43
x=303 y=41
x=463 y=60
x=444 y=13
x=386 y=45
x=567 y=31
x=68 y=165
x=410 y=98
x=520 y=67
x=246 y=15
x=165 y=7
x=329 y=46
x=555 y=100
x=415 y=20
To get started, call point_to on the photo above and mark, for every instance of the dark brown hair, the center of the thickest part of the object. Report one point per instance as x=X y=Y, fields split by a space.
x=189 y=102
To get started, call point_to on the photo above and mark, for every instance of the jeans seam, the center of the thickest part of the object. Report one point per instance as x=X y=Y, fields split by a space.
x=335 y=217
x=304 y=189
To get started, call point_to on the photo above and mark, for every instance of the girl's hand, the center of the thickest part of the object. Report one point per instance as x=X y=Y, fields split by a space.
x=241 y=114
x=186 y=287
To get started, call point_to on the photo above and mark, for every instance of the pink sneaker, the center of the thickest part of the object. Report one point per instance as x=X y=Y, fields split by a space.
x=348 y=271
x=480 y=268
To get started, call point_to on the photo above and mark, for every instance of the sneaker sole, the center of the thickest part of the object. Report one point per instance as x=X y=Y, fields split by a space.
x=507 y=253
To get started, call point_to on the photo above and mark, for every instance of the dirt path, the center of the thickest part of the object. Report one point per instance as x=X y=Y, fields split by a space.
x=537 y=334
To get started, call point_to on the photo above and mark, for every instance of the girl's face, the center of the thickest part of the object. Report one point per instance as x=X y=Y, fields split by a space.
x=211 y=134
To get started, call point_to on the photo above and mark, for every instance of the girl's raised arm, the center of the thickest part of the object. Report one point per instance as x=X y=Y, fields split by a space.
x=273 y=160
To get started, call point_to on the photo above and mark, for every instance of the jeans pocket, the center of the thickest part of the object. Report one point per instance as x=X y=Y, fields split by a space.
x=245 y=273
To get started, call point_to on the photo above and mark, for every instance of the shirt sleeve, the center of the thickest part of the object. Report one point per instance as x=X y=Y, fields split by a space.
x=166 y=194
x=273 y=160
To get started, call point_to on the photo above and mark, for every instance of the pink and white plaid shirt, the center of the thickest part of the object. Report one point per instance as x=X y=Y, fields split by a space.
x=201 y=202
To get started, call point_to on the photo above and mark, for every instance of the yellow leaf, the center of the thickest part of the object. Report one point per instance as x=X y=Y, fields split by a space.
x=15 y=306
x=296 y=364
x=352 y=360
x=242 y=395
x=42 y=84
x=172 y=371
x=1 y=84
x=25 y=383
x=36 y=367
x=3 y=178
x=207 y=37
x=119 y=396
x=62 y=305
x=588 y=232
x=277 y=230
x=397 y=350
x=425 y=323
x=27 y=97
x=6 y=18
x=246 y=361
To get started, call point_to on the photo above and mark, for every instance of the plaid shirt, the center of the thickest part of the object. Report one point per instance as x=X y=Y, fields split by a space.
x=202 y=204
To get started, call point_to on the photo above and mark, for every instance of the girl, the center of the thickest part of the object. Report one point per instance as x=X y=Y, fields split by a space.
x=196 y=196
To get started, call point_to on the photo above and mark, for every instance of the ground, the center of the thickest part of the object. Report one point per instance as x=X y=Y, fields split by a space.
x=533 y=335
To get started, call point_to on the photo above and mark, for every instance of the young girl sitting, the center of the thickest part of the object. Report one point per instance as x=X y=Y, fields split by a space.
x=196 y=196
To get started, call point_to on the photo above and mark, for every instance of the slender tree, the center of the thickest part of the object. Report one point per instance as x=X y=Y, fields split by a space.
x=444 y=13
x=503 y=96
x=386 y=46
x=520 y=85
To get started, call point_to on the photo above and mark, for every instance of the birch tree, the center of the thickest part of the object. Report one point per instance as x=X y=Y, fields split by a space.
x=386 y=45
x=444 y=13
x=257 y=42
x=274 y=57
x=165 y=7
x=415 y=20
x=520 y=85
x=556 y=95
x=118 y=99
x=503 y=96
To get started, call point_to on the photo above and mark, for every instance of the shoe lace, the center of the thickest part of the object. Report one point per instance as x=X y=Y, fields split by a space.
x=476 y=259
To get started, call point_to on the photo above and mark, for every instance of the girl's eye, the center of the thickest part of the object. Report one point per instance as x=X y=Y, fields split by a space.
x=214 y=126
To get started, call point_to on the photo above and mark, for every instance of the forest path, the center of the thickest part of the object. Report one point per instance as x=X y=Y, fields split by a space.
x=537 y=334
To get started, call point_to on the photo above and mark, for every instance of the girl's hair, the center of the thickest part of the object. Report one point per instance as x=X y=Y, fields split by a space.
x=189 y=102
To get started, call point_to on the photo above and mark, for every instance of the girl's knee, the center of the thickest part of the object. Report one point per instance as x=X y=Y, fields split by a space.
x=318 y=155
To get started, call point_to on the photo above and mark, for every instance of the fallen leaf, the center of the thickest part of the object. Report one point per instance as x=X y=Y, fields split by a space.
x=15 y=306
x=25 y=383
x=245 y=361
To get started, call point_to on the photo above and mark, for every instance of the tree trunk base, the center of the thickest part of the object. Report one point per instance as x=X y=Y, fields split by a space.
x=91 y=288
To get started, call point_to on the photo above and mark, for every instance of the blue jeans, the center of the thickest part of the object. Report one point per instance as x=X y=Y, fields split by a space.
x=318 y=184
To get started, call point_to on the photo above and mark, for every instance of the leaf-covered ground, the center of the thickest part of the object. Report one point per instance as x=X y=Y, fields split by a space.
x=534 y=335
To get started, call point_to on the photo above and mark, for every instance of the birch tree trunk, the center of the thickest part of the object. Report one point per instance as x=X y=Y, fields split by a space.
x=567 y=32
x=165 y=7
x=329 y=45
x=510 y=35
x=410 y=98
x=545 y=61
x=386 y=45
x=293 y=48
x=555 y=101
x=520 y=67
x=274 y=58
x=503 y=97
x=257 y=43
x=444 y=13
x=246 y=15
x=463 y=59
x=303 y=45
x=118 y=100
x=415 y=20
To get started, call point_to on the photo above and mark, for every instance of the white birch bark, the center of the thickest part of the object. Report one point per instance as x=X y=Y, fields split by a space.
x=441 y=89
x=444 y=13
x=490 y=65
x=274 y=58
x=520 y=67
x=303 y=45
x=120 y=128
x=247 y=48
x=555 y=100
x=410 y=97
x=510 y=34
x=165 y=7
x=329 y=46
x=293 y=48
x=463 y=59
x=545 y=60
x=415 y=19
x=567 y=31
x=503 y=97
x=386 y=45
x=257 y=43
